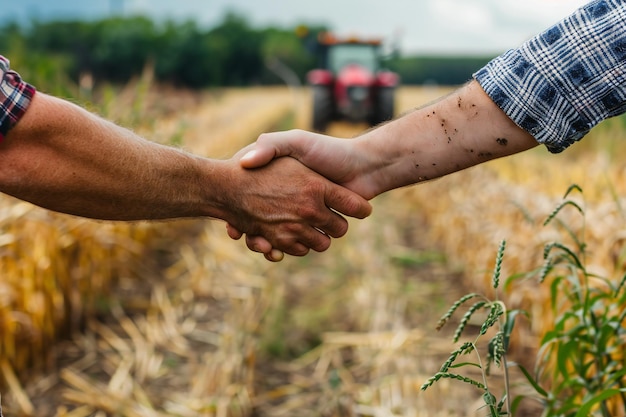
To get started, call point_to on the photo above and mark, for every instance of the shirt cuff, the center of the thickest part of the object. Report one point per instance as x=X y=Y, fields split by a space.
x=15 y=97
x=560 y=84
x=531 y=102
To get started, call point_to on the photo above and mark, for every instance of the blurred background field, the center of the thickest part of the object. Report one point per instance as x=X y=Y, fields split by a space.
x=175 y=319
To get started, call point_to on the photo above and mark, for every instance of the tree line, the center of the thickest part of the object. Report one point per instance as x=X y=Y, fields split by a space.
x=231 y=53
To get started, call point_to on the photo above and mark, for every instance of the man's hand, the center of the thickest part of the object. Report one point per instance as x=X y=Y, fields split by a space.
x=343 y=161
x=287 y=207
x=337 y=159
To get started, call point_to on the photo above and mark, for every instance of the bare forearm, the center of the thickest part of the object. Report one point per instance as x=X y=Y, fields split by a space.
x=462 y=130
x=63 y=158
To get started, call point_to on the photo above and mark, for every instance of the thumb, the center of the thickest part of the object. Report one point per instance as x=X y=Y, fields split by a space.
x=294 y=143
x=257 y=157
x=233 y=232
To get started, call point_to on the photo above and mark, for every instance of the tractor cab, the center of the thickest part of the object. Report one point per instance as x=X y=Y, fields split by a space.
x=350 y=83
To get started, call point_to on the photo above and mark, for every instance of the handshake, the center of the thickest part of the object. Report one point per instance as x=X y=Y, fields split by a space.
x=299 y=201
x=287 y=193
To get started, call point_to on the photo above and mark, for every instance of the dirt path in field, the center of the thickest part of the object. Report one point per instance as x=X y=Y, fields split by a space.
x=229 y=120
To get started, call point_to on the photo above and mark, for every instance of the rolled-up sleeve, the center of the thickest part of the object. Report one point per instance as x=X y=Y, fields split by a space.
x=560 y=84
x=15 y=96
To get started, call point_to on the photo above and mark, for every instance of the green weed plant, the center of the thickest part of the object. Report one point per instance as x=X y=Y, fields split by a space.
x=580 y=367
x=497 y=318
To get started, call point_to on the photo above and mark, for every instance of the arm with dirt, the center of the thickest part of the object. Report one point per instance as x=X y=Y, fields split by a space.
x=463 y=129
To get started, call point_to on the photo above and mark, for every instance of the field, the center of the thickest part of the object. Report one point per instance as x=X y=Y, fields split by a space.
x=176 y=319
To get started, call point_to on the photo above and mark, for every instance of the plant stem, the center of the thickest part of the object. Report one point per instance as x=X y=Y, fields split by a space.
x=506 y=385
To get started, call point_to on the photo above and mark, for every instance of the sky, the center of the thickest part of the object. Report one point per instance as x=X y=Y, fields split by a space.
x=471 y=27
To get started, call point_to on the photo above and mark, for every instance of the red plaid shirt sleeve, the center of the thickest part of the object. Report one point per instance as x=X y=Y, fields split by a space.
x=15 y=96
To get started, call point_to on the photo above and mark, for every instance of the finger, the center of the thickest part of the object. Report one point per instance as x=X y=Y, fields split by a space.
x=304 y=238
x=315 y=240
x=289 y=246
x=347 y=202
x=258 y=244
x=333 y=225
x=274 y=256
x=258 y=157
x=232 y=232
x=295 y=248
x=273 y=145
x=340 y=200
x=295 y=243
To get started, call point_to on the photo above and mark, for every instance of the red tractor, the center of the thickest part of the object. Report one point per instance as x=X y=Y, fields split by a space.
x=350 y=83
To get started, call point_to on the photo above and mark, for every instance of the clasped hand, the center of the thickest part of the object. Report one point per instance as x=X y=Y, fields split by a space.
x=287 y=207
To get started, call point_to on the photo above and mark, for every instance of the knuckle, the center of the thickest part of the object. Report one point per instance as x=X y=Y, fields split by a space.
x=339 y=228
x=309 y=212
x=300 y=251
x=322 y=245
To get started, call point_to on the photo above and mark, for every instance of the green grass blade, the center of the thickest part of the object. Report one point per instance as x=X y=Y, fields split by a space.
x=585 y=409
x=532 y=382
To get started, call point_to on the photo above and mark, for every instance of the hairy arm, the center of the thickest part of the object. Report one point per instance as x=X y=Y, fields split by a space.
x=61 y=157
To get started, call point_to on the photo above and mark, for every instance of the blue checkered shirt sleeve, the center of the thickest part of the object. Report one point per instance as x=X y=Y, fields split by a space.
x=564 y=81
x=15 y=96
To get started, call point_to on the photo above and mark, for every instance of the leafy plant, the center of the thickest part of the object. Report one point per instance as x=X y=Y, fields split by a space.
x=498 y=318
x=581 y=360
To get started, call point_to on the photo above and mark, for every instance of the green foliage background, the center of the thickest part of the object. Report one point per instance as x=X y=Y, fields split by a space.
x=53 y=55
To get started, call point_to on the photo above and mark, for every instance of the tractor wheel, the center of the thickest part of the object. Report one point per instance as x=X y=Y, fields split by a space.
x=385 y=105
x=322 y=108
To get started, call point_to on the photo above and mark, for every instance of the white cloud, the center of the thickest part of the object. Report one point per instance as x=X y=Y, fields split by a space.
x=483 y=26
x=542 y=10
x=461 y=15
